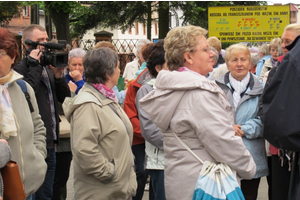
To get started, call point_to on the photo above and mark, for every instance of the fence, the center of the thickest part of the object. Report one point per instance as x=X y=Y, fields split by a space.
x=125 y=48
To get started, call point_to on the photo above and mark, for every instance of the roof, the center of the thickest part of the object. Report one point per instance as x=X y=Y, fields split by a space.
x=293 y=8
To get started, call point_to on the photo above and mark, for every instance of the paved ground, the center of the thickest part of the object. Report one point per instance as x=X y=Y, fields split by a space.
x=262 y=192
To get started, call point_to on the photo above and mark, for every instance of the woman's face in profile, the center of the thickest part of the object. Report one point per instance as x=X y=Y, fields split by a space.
x=5 y=63
x=76 y=63
x=115 y=76
x=202 y=60
x=239 y=65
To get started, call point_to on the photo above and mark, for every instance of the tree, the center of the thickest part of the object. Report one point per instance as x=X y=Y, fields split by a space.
x=123 y=14
x=8 y=10
x=59 y=12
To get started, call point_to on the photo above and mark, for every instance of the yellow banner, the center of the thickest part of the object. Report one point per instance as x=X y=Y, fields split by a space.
x=247 y=23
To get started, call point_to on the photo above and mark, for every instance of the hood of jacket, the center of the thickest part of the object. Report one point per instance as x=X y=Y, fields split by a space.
x=88 y=94
x=16 y=76
x=170 y=86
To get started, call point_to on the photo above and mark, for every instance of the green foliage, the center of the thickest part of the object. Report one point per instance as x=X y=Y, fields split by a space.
x=114 y=14
x=123 y=14
x=62 y=6
x=8 y=10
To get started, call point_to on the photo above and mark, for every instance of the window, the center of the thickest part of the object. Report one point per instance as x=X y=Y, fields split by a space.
x=136 y=28
x=144 y=29
x=155 y=28
x=25 y=11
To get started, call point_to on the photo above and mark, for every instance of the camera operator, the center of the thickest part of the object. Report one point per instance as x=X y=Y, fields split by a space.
x=50 y=88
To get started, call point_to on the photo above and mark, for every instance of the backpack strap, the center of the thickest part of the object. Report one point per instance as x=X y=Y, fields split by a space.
x=23 y=87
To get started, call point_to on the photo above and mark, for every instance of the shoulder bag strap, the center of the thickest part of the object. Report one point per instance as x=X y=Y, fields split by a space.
x=188 y=148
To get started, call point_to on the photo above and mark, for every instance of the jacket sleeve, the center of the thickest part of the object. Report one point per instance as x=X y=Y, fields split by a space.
x=120 y=94
x=5 y=154
x=85 y=143
x=62 y=89
x=149 y=130
x=79 y=85
x=39 y=138
x=252 y=128
x=214 y=129
x=264 y=69
x=32 y=73
x=259 y=67
x=131 y=111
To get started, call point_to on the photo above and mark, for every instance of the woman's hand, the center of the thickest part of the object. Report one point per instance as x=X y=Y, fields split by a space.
x=4 y=141
x=76 y=75
x=72 y=86
x=238 y=130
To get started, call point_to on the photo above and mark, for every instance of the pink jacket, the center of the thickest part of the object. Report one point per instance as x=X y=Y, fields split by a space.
x=196 y=109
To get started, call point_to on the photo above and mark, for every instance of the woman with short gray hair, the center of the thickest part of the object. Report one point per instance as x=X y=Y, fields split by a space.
x=102 y=134
x=74 y=77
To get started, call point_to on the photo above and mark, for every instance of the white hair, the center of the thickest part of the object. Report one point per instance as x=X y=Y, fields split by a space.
x=78 y=52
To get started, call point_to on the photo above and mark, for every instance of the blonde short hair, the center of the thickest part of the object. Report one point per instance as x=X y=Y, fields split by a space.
x=275 y=43
x=293 y=27
x=215 y=43
x=180 y=40
x=264 y=49
x=234 y=49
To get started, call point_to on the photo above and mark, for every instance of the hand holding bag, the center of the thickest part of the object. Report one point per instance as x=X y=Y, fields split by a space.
x=216 y=181
x=13 y=186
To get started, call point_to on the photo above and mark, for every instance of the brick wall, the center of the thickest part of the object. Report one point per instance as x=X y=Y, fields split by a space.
x=19 y=24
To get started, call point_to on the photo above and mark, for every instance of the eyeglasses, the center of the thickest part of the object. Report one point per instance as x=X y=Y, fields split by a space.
x=207 y=50
x=274 y=50
x=3 y=54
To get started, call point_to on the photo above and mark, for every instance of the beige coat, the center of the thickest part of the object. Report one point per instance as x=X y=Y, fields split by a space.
x=197 y=111
x=28 y=148
x=102 y=159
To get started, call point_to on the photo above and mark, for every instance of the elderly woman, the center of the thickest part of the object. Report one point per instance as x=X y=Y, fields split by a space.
x=74 y=77
x=253 y=62
x=101 y=133
x=264 y=54
x=276 y=51
x=20 y=122
x=243 y=91
x=189 y=105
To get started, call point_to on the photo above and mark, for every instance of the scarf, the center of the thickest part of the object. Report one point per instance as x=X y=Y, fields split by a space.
x=105 y=91
x=274 y=62
x=8 y=125
x=239 y=87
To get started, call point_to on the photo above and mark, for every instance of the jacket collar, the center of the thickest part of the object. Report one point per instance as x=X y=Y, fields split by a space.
x=254 y=88
x=291 y=46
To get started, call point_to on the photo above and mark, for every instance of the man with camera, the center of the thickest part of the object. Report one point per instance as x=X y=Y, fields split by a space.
x=50 y=88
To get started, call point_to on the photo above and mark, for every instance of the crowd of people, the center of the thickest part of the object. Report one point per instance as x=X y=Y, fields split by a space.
x=183 y=86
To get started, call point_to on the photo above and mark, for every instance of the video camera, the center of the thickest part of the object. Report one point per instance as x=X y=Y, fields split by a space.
x=56 y=59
